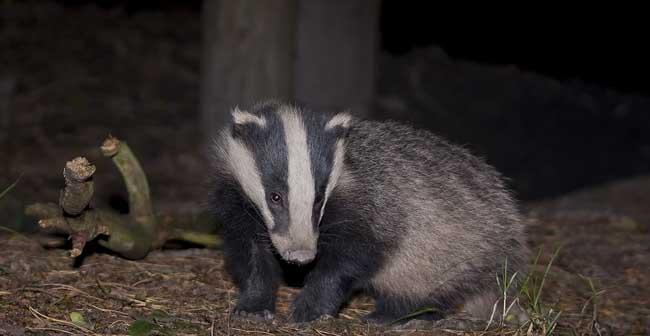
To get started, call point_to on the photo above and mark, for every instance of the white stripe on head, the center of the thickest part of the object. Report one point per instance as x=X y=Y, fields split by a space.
x=300 y=179
x=342 y=119
x=244 y=168
x=240 y=117
x=337 y=168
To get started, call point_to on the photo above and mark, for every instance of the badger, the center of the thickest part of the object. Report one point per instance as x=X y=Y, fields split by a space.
x=379 y=207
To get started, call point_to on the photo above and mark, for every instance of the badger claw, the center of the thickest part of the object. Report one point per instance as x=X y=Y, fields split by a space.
x=302 y=314
x=258 y=316
x=307 y=322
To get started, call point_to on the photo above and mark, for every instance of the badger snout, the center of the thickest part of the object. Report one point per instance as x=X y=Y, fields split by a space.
x=299 y=257
x=296 y=248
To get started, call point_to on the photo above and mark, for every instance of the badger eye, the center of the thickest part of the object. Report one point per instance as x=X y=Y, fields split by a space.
x=276 y=198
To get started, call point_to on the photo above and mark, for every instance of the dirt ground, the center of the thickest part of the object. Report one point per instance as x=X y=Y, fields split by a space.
x=137 y=78
x=602 y=232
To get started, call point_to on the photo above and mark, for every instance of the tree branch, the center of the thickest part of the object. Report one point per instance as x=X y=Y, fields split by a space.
x=133 y=235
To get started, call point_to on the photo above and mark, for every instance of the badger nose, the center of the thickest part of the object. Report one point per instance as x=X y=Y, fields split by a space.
x=300 y=256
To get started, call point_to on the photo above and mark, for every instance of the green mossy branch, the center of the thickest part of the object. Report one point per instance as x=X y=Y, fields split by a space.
x=133 y=235
x=140 y=207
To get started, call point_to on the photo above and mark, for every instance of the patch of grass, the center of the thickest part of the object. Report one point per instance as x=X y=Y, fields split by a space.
x=542 y=319
x=2 y=195
x=505 y=283
x=8 y=189
x=141 y=328
x=593 y=300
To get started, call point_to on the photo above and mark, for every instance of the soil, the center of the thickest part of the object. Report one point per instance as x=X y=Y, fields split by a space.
x=602 y=234
x=77 y=74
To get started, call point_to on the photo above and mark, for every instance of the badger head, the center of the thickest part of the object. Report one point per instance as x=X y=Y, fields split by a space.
x=286 y=161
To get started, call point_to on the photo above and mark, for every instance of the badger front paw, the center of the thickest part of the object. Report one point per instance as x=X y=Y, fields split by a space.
x=308 y=309
x=255 y=316
x=255 y=309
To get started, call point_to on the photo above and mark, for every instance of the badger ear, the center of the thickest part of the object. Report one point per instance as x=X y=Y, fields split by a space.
x=240 y=117
x=243 y=120
x=339 y=123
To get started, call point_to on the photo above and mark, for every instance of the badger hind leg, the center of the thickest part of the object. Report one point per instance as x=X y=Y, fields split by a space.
x=488 y=306
x=481 y=306
x=460 y=296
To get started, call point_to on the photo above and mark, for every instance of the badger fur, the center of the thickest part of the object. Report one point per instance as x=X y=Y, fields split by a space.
x=380 y=207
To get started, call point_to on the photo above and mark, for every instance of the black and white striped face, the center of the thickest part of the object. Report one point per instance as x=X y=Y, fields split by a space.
x=287 y=162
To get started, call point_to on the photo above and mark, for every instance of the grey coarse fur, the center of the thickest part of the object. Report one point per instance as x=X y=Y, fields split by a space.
x=452 y=218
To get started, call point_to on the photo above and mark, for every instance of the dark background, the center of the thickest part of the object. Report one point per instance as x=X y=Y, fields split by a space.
x=605 y=47
x=556 y=101
x=588 y=120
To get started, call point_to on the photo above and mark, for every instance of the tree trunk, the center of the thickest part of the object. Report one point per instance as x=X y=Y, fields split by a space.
x=317 y=52
x=7 y=86
x=337 y=43
x=248 y=55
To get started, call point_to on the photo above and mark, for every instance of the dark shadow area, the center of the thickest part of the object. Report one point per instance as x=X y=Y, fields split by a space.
x=559 y=46
x=555 y=105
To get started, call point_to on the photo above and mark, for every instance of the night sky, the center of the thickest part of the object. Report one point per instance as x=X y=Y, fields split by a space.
x=609 y=48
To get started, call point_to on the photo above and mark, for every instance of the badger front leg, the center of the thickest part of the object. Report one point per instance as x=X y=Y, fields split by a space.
x=257 y=275
x=340 y=268
x=323 y=293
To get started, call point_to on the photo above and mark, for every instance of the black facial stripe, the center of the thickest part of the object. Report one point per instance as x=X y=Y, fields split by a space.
x=322 y=145
x=267 y=144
